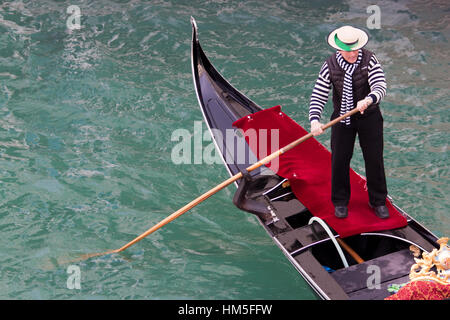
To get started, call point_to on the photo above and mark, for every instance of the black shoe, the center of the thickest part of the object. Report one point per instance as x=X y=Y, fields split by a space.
x=382 y=212
x=341 y=212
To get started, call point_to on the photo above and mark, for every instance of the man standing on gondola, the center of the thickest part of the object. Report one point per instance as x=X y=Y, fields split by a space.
x=358 y=81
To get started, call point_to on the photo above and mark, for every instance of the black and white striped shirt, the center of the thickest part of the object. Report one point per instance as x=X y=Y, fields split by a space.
x=319 y=96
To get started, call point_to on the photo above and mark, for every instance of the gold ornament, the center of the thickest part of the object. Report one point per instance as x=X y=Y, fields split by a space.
x=438 y=260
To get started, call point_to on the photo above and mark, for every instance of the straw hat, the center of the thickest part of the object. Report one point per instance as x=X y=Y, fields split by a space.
x=348 y=38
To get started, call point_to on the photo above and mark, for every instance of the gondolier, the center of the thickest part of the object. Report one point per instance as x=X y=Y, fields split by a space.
x=358 y=81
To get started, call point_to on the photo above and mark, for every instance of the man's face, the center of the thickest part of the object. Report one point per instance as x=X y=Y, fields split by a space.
x=350 y=56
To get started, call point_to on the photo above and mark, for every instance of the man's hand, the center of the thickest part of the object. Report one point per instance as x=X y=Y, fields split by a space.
x=362 y=105
x=316 y=128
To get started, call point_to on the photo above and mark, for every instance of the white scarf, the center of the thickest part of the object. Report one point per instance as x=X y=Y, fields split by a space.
x=347 y=90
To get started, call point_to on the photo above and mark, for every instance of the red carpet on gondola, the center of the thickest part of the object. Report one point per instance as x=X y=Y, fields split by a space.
x=308 y=168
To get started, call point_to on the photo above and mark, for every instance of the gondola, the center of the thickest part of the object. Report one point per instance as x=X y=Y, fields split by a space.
x=309 y=244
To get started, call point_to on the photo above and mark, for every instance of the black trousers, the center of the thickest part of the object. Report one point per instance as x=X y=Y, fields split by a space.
x=369 y=128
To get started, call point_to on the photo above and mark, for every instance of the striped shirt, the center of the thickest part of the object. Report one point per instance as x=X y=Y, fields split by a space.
x=319 y=96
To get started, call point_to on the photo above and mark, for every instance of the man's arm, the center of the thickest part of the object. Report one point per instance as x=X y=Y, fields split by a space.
x=377 y=81
x=319 y=96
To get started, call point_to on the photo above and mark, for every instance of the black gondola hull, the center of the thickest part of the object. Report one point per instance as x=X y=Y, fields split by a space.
x=310 y=251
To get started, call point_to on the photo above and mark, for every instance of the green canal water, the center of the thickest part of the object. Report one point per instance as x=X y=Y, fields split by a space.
x=86 y=123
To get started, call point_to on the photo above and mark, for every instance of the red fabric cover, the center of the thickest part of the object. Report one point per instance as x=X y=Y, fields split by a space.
x=422 y=290
x=308 y=168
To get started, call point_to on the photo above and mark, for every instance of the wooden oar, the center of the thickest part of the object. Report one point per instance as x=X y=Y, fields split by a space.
x=350 y=251
x=219 y=187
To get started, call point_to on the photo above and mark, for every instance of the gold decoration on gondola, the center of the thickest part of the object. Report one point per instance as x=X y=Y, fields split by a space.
x=434 y=266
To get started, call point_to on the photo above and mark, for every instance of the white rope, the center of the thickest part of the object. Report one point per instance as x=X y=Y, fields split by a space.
x=330 y=234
